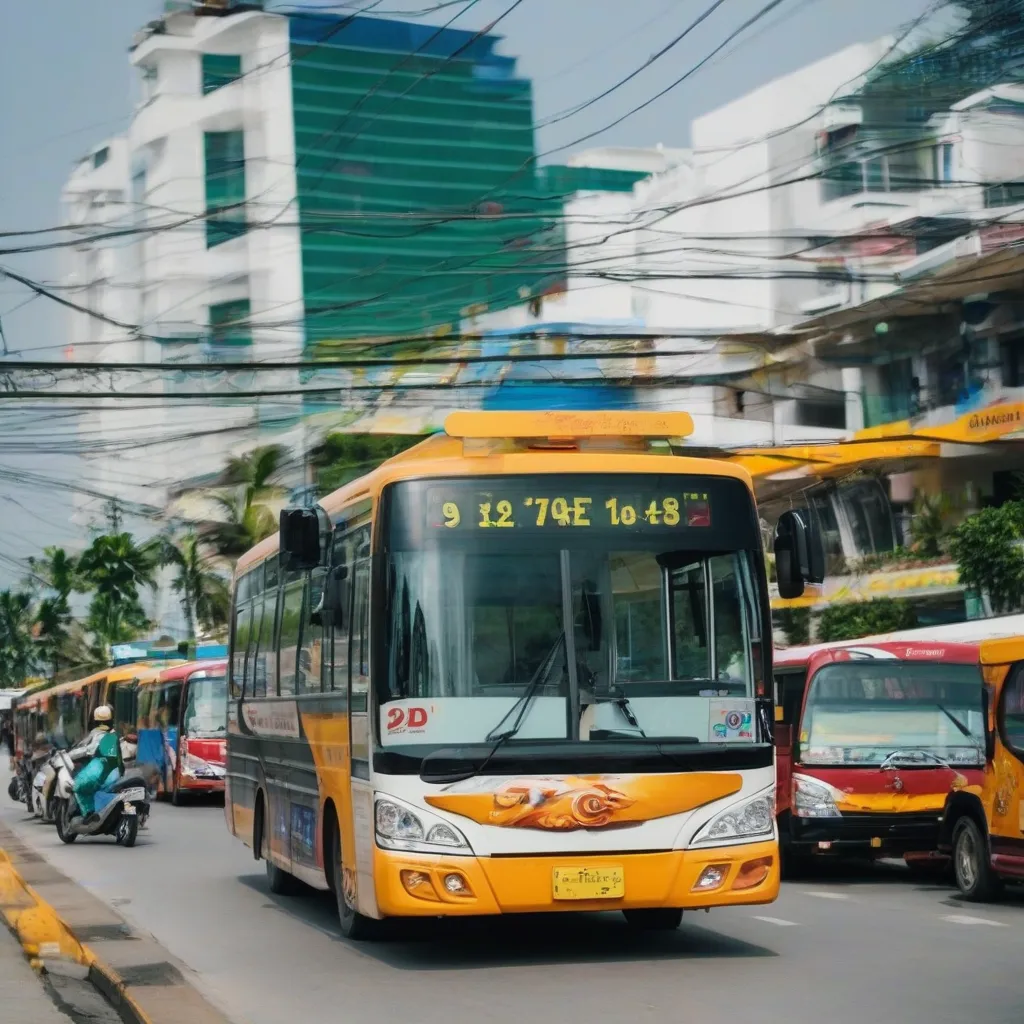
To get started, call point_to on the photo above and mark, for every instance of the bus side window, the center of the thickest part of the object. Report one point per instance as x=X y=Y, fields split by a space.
x=359 y=654
x=336 y=667
x=291 y=631
x=263 y=650
x=308 y=678
x=240 y=644
x=1011 y=711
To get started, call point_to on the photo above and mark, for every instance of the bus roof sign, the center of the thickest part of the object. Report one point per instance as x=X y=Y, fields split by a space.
x=569 y=425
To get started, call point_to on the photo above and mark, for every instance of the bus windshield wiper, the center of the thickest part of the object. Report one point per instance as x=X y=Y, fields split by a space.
x=621 y=701
x=956 y=721
x=520 y=709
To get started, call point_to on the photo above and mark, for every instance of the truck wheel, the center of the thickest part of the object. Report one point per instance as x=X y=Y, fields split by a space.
x=975 y=878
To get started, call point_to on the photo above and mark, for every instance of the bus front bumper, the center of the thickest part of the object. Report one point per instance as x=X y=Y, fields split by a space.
x=422 y=885
x=875 y=834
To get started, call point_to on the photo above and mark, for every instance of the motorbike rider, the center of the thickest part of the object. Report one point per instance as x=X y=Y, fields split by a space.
x=104 y=747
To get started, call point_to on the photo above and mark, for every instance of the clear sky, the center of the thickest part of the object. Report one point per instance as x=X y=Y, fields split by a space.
x=67 y=83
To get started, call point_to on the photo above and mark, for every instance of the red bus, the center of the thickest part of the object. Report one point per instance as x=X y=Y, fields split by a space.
x=871 y=738
x=181 y=714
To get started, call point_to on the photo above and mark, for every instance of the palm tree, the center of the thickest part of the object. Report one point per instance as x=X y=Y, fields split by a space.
x=244 y=525
x=246 y=517
x=17 y=651
x=203 y=591
x=56 y=573
x=114 y=567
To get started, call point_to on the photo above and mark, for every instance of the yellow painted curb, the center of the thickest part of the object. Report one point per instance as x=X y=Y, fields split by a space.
x=44 y=935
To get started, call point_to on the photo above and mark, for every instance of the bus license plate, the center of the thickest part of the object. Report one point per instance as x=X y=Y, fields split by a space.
x=601 y=883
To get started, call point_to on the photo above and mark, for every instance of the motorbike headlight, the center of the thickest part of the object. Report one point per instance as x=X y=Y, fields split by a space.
x=743 y=822
x=400 y=827
x=813 y=798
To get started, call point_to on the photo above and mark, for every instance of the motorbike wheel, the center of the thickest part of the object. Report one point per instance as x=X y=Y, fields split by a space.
x=62 y=816
x=127 y=830
x=14 y=790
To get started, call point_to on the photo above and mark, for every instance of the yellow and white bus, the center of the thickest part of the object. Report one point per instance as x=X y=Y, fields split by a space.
x=524 y=666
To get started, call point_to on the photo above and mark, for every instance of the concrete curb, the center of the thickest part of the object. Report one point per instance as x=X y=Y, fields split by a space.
x=45 y=936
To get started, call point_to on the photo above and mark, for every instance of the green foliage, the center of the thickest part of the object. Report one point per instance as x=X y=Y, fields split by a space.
x=341 y=458
x=202 y=589
x=796 y=624
x=987 y=552
x=853 y=621
x=17 y=652
x=929 y=527
x=113 y=568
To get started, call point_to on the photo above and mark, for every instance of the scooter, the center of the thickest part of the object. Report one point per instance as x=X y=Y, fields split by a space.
x=44 y=788
x=121 y=807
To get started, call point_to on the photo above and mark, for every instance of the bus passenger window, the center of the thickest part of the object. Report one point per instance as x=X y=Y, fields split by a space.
x=1013 y=711
x=359 y=656
x=291 y=629
x=262 y=618
x=241 y=645
x=307 y=679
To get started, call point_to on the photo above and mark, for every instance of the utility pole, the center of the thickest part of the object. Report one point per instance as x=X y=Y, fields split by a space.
x=114 y=517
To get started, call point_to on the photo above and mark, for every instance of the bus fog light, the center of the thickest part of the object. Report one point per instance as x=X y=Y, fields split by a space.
x=753 y=873
x=711 y=877
x=418 y=884
x=456 y=885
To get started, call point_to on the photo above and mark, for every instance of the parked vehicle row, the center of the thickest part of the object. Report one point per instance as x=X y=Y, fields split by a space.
x=166 y=724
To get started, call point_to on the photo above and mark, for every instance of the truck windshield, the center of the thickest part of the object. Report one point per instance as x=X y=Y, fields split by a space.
x=862 y=712
x=206 y=709
x=606 y=632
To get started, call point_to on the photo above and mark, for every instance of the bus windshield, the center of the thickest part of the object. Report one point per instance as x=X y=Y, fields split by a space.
x=579 y=632
x=863 y=713
x=206 y=710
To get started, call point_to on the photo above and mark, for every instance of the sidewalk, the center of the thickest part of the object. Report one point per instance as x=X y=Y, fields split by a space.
x=22 y=996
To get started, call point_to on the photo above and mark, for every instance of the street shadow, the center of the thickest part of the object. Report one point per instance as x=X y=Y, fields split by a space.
x=443 y=944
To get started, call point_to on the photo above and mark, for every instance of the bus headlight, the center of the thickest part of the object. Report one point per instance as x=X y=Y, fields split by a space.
x=813 y=798
x=400 y=827
x=754 y=818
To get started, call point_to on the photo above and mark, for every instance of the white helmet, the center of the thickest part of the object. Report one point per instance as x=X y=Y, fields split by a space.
x=103 y=713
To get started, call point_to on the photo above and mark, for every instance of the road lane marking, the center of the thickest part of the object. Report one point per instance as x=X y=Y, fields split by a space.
x=967 y=919
x=776 y=921
x=829 y=895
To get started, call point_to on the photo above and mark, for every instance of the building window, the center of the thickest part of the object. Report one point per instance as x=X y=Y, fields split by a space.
x=944 y=164
x=225 y=186
x=904 y=170
x=229 y=324
x=100 y=157
x=220 y=69
x=1010 y=193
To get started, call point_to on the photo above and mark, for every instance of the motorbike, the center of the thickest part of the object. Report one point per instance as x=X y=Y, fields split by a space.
x=14 y=787
x=121 y=803
x=44 y=787
x=28 y=767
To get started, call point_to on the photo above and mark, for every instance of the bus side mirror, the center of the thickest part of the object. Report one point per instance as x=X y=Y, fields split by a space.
x=799 y=556
x=987 y=707
x=300 y=539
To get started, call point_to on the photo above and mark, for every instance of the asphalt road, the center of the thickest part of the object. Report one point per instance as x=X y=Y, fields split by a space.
x=846 y=947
